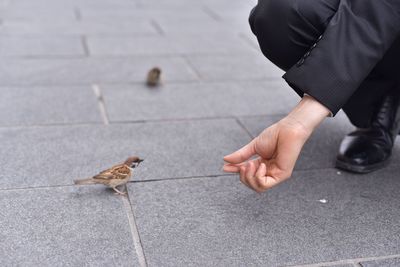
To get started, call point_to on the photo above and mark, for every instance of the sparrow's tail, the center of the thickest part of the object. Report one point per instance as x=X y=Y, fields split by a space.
x=85 y=181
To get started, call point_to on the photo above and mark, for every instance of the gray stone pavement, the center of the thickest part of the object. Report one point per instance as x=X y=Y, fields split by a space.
x=73 y=103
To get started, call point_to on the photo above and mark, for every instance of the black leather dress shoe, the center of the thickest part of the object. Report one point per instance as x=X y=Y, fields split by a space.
x=367 y=150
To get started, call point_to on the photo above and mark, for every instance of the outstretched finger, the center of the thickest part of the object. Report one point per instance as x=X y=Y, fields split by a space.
x=228 y=167
x=242 y=154
x=231 y=168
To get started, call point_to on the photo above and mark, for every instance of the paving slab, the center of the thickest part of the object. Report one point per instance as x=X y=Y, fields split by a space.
x=62 y=27
x=251 y=38
x=197 y=100
x=217 y=90
x=50 y=4
x=61 y=154
x=186 y=44
x=382 y=263
x=91 y=13
x=67 y=226
x=48 y=105
x=200 y=26
x=75 y=71
x=338 y=265
x=128 y=45
x=219 y=222
x=226 y=10
x=177 y=5
x=238 y=67
x=37 y=14
x=321 y=149
x=34 y=46
x=225 y=14
x=229 y=5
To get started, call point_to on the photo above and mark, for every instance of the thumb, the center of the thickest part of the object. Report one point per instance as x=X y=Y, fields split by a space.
x=242 y=154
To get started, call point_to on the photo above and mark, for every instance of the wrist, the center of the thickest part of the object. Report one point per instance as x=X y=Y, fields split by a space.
x=309 y=113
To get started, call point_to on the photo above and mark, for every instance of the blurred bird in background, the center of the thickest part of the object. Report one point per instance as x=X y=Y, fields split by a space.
x=114 y=176
x=154 y=77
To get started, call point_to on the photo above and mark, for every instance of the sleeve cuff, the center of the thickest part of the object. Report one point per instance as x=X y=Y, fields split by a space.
x=330 y=112
x=294 y=79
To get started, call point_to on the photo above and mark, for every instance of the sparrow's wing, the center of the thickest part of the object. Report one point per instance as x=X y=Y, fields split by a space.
x=117 y=172
x=104 y=175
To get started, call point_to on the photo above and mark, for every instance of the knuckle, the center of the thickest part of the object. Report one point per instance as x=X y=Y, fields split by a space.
x=261 y=181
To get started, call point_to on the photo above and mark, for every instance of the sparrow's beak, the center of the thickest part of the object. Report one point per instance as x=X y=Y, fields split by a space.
x=140 y=160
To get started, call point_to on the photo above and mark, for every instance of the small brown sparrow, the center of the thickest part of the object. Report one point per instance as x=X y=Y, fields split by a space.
x=114 y=176
x=154 y=77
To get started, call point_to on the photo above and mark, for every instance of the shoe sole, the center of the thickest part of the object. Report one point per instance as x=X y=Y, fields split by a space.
x=361 y=169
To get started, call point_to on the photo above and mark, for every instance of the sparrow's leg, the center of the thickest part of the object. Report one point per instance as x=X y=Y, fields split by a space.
x=118 y=192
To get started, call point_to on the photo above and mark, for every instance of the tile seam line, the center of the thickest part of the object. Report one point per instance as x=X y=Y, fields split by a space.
x=116 y=123
x=277 y=115
x=127 y=55
x=44 y=57
x=240 y=123
x=347 y=261
x=394 y=167
x=135 y=122
x=130 y=182
x=132 y=122
x=30 y=126
x=175 y=120
x=181 y=178
x=192 y=67
x=211 y=13
x=173 y=179
x=113 y=56
x=117 y=34
x=70 y=34
x=172 y=82
x=243 y=82
x=234 y=175
x=126 y=200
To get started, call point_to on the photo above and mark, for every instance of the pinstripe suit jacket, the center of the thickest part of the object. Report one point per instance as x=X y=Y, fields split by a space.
x=356 y=38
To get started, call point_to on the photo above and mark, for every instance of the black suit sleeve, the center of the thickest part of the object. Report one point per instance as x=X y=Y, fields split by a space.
x=354 y=41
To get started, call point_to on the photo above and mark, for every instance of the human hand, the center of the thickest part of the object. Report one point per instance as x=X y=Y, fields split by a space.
x=277 y=147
